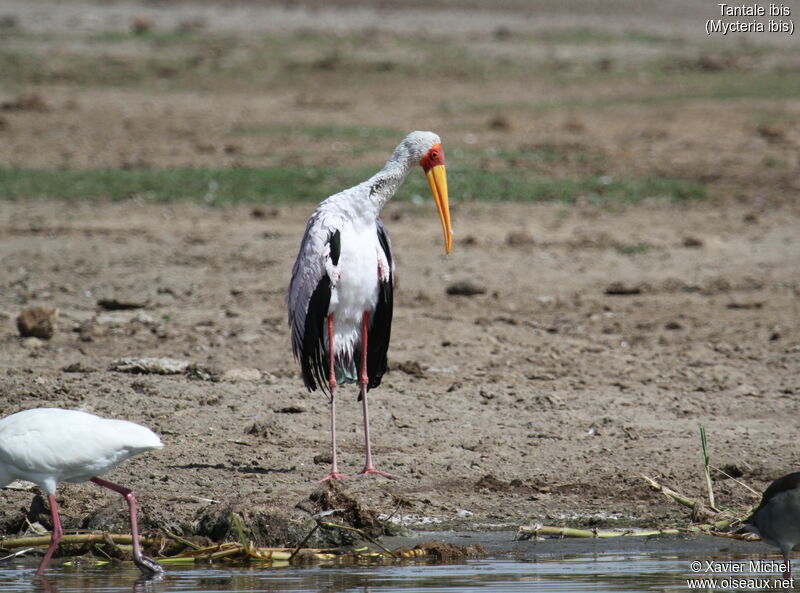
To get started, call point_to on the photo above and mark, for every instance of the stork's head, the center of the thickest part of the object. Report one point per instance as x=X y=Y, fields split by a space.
x=426 y=148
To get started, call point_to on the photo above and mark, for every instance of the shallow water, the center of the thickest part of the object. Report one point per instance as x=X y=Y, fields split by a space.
x=599 y=572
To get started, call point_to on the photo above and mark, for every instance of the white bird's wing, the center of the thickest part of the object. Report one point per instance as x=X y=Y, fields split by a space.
x=68 y=445
x=315 y=272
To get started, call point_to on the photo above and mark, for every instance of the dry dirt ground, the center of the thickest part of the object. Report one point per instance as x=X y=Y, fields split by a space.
x=543 y=398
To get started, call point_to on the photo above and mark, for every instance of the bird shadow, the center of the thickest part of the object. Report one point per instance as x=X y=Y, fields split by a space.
x=239 y=470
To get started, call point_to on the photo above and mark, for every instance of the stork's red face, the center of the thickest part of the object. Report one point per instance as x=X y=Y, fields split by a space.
x=433 y=165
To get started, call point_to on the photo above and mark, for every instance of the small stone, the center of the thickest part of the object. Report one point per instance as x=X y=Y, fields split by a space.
x=77 y=367
x=9 y=21
x=141 y=25
x=500 y=122
x=323 y=458
x=292 y=409
x=466 y=288
x=192 y=25
x=622 y=289
x=236 y=375
x=771 y=132
x=489 y=482
x=411 y=367
x=673 y=325
x=249 y=338
x=733 y=470
x=32 y=343
x=746 y=391
x=264 y=212
x=692 y=242
x=38 y=322
x=502 y=33
x=519 y=238
x=265 y=428
x=26 y=102
x=745 y=305
x=200 y=372
x=121 y=304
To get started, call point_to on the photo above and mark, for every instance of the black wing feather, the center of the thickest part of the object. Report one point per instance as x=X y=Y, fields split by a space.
x=312 y=355
x=380 y=330
x=309 y=296
x=335 y=242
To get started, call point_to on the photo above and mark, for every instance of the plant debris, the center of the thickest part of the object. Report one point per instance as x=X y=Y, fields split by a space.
x=158 y=366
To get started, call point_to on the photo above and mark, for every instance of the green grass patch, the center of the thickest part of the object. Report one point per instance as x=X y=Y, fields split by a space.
x=213 y=186
x=287 y=185
x=155 y=36
x=635 y=248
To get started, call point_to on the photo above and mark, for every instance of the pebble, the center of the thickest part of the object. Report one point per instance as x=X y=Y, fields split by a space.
x=38 y=322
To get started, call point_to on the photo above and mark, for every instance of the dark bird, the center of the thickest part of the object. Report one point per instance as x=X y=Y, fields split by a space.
x=777 y=518
x=340 y=295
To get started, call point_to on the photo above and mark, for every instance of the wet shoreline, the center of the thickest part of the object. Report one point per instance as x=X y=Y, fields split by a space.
x=499 y=543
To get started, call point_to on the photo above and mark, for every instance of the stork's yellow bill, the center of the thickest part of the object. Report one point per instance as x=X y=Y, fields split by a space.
x=433 y=165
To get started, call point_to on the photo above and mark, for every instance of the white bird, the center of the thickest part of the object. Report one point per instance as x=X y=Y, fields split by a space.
x=50 y=445
x=777 y=518
x=340 y=295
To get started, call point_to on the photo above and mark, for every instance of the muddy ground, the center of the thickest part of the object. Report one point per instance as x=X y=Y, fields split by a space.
x=605 y=334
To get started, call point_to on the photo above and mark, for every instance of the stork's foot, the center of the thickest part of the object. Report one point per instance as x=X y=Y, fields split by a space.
x=371 y=471
x=148 y=566
x=334 y=476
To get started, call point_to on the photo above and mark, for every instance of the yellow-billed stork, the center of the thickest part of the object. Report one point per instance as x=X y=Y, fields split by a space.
x=340 y=295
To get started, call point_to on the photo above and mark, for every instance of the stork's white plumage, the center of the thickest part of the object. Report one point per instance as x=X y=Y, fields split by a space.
x=340 y=295
x=50 y=445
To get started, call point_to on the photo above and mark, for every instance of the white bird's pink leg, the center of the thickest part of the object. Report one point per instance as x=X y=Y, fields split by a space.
x=55 y=538
x=334 y=475
x=145 y=564
x=363 y=381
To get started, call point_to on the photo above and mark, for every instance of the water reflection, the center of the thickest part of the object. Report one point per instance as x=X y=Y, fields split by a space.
x=606 y=572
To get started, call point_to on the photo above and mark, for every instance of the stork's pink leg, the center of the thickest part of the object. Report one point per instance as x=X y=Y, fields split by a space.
x=145 y=564
x=334 y=475
x=55 y=538
x=363 y=380
x=788 y=574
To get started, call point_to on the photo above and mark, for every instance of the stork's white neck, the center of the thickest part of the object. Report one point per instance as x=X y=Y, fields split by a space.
x=367 y=199
x=385 y=183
